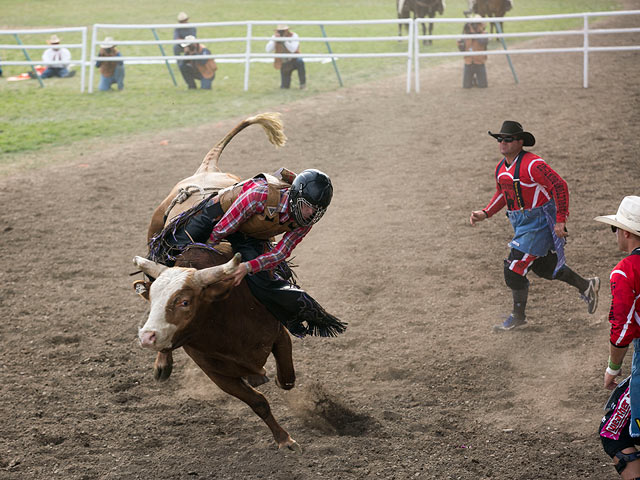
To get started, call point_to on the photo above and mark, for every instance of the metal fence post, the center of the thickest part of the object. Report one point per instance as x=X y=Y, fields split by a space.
x=585 y=54
x=173 y=78
x=333 y=60
x=26 y=55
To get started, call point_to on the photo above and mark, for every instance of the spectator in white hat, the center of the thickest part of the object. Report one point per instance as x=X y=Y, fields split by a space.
x=287 y=65
x=193 y=69
x=110 y=72
x=61 y=58
x=619 y=429
x=181 y=33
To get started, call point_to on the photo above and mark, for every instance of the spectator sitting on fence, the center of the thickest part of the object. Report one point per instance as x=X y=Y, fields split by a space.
x=181 y=33
x=61 y=57
x=110 y=72
x=475 y=73
x=192 y=69
x=287 y=65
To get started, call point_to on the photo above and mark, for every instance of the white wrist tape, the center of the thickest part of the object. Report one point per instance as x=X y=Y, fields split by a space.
x=612 y=372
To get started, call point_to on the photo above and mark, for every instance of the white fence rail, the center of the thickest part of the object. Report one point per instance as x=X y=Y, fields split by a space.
x=412 y=53
x=82 y=46
x=585 y=32
x=249 y=56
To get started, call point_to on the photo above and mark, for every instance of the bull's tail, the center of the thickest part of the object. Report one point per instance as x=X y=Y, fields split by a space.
x=269 y=121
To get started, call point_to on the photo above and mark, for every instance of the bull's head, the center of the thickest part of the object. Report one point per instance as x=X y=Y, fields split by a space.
x=176 y=296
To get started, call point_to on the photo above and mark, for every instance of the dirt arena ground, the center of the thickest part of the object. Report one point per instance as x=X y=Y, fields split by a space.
x=419 y=386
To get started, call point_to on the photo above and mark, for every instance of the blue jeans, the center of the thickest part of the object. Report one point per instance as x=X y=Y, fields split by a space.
x=118 y=78
x=191 y=74
x=55 y=72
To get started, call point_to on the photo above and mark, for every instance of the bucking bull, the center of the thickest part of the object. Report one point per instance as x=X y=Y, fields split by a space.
x=227 y=332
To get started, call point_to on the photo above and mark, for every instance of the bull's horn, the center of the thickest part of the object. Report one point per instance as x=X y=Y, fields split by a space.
x=152 y=269
x=210 y=275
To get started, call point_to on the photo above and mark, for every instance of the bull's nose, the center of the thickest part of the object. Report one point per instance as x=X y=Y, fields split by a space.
x=148 y=339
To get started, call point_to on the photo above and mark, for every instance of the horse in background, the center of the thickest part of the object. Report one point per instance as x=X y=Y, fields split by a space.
x=490 y=8
x=420 y=9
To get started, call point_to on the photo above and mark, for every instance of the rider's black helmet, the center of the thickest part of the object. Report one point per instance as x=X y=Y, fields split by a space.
x=312 y=188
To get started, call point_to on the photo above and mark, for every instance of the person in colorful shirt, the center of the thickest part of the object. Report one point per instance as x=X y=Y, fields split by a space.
x=192 y=68
x=620 y=429
x=110 y=72
x=249 y=215
x=537 y=201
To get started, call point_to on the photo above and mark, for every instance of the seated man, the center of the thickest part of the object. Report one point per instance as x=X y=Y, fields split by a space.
x=192 y=69
x=248 y=215
x=61 y=58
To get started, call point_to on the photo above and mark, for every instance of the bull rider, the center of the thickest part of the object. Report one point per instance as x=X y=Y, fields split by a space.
x=248 y=215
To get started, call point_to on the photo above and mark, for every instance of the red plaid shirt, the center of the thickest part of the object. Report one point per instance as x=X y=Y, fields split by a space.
x=251 y=202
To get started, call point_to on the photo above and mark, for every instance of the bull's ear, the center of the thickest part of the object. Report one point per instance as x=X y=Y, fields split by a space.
x=142 y=288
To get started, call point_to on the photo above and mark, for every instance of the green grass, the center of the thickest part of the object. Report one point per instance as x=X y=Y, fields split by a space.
x=33 y=118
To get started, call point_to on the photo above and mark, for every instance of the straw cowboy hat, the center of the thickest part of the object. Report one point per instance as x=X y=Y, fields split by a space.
x=282 y=26
x=514 y=129
x=628 y=216
x=183 y=17
x=108 y=43
x=53 y=40
x=188 y=40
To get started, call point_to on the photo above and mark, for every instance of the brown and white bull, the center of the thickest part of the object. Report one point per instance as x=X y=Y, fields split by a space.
x=224 y=329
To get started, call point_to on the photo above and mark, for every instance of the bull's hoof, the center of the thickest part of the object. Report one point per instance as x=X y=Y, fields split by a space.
x=285 y=386
x=291 y=444
x=162 y=374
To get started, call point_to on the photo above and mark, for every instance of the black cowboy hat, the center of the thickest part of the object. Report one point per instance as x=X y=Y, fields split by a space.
x=514 y=129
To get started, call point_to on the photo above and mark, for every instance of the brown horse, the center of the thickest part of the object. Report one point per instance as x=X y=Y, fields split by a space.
x=492 y=8
x=420 y=9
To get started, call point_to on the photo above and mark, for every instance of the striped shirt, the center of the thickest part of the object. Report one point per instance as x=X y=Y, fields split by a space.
x=624 y=314
x=252 y=201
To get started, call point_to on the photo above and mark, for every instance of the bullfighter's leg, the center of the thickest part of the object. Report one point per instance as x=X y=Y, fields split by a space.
x=163 y=366
x=258 y=403
x=282 y=352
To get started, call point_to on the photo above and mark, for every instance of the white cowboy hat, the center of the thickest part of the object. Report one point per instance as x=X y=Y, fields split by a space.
x=53 y=40
x=188 y=40
x=183 y=17
x=282 y=27
x=628 y=216
x=108 y=43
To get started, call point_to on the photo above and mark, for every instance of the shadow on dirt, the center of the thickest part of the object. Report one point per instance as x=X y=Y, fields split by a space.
x=323 y=411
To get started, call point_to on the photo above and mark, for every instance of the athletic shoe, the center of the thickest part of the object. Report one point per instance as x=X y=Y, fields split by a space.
x=590 y=295
x=510 y=323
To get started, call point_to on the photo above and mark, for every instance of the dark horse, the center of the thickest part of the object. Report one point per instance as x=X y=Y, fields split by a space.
x=420 y=9
x=492 y=8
